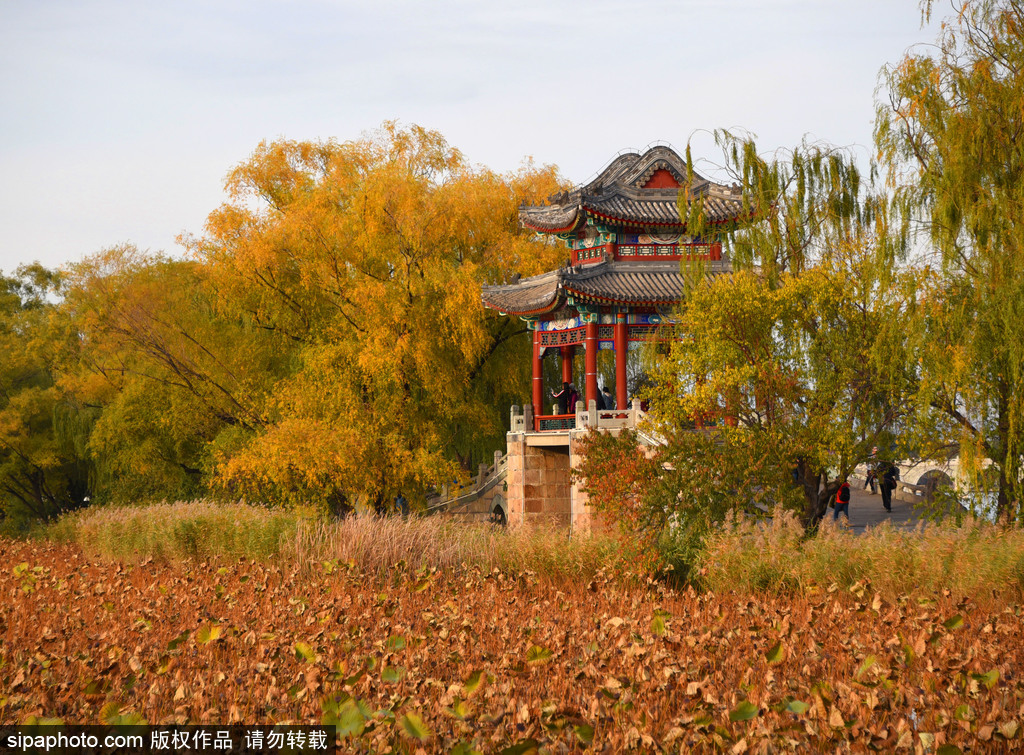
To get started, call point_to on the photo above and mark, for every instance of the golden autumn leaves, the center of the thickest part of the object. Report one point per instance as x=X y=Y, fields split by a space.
x=368 y=257
x=322 y=343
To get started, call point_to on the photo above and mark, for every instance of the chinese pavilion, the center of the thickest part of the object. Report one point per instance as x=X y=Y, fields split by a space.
x=626 y=243
x=624 y=275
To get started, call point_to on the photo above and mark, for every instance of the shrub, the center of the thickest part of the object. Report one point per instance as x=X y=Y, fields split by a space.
x=680 y=549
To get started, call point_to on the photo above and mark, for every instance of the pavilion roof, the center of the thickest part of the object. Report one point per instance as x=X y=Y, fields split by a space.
x=657 y=283
x=628 y=192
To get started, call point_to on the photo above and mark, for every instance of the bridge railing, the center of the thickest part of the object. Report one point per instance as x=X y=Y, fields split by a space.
x=456 y=494
x=904 y=491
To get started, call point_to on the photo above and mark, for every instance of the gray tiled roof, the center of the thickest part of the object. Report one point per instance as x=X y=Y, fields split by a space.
x=654 y=282
x=527 y=296
x=617 y=194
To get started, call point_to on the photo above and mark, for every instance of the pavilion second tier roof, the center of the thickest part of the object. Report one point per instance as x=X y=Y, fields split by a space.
x=635 y=190
x=619 y=283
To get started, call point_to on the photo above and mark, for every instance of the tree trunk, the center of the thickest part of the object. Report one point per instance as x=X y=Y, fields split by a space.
x=1003 y=510
x=816 y=497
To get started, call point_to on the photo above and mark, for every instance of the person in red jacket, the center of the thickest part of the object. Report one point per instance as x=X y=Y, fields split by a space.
x=842 y=502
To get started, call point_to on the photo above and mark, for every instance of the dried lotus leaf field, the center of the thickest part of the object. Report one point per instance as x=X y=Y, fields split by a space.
x=491 y=661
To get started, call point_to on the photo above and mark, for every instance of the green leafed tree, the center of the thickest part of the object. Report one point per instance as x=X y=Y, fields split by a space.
x=161 y=372
x=950 y=133
x=44 y=468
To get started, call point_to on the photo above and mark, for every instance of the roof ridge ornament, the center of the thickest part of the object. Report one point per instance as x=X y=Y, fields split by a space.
x=631 y=193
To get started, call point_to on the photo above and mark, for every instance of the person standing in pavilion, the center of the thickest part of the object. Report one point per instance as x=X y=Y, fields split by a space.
x=609 y=398
x=562 y=397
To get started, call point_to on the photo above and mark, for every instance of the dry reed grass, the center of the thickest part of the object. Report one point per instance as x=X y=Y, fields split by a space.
x=376 y=546
x=202 y=529
x=776 y=556
x=744 y=556
x=193 y=529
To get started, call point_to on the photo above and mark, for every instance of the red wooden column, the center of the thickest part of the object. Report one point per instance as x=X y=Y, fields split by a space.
x=568 y=352
x=621 y=351
x=591 y=356
x=538 y=376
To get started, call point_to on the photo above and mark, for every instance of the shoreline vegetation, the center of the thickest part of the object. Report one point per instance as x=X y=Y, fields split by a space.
x=756 y=557
x=367 y=544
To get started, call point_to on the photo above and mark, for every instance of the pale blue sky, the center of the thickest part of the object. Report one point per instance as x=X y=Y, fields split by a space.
x=120 y=119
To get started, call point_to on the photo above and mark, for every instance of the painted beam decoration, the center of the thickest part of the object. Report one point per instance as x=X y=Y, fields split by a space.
x=572 y=331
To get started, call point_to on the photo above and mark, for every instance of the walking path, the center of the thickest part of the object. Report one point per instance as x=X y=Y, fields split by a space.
x=866 y=509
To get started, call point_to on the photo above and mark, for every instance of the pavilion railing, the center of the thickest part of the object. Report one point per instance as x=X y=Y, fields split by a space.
x=601 y=419
x=669 y=251
x=555 y=422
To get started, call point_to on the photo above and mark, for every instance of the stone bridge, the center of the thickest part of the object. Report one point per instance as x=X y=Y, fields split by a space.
x=531 y=481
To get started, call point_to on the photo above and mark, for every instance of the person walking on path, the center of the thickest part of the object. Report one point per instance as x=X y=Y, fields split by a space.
x=842 y=505
x=872 y=471
x=890 y=476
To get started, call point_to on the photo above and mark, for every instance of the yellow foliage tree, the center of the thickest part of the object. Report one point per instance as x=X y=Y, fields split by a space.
x=363 y=261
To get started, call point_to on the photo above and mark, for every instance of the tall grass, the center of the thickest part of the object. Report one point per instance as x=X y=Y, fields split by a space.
x=745 y=556
x=196 y=529
x=378 y=545
x=201 y=529
x=777 y=557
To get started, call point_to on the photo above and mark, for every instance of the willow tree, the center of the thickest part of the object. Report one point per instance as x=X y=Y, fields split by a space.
x=363 y=262
x=951 y=135
x=161 y=374
x=43 y=472
x=795 y=357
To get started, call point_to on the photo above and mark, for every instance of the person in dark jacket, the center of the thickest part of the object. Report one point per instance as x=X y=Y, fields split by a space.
x=562 y=397
x=890 y=476
x=609 y=399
